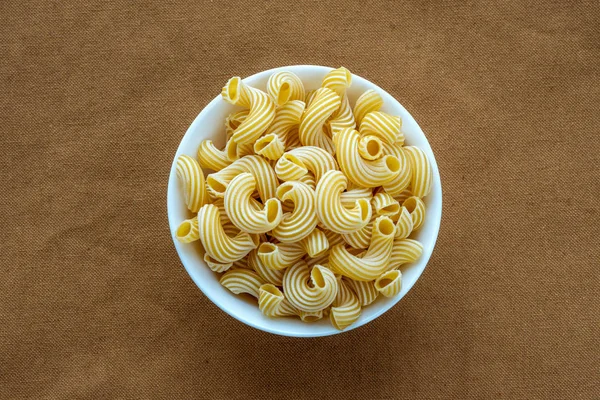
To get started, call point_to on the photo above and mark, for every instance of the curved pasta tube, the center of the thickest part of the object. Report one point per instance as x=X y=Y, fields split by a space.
x=315 y=243
x=389 y=283
x=270 y=275
x=215 y=265
x=292 y=140
x=365 y=173
x=361 y=239
x=314 y=297
x=285 y=86
x=370 y=147
x=187 y=231
x=383 y=125
x=403 y=195
x=342 y=118
x=298 y=224
x=365 y=291
x=333 y=238
x=404 y=251
x=212 y=158
x=330 y=210
x=338 y=80
x=298 y=162
x=191 y=177
x=240 y=209
x=402 y=180
x=235 y=151
x=346 y=308
x=375 y=260
x=421 y=176
x=322 y=259
x=260 y=116
x=311 y=131
x=404 y=225
x=311 y=316
x=279 y=256
x=242 y=281
x=310 y=96
x=273 y=143
x=308 y=180
x=384 y=204
x=273 y=304
x=368 y=102
x=234 y=120
x=216 y=243
x=416 y=208
x=262 y=171
x=349 y=197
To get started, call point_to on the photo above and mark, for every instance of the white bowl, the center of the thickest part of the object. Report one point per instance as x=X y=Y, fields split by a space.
x=209 y=124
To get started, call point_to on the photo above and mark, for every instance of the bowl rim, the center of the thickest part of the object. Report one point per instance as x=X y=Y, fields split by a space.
x=172 y=180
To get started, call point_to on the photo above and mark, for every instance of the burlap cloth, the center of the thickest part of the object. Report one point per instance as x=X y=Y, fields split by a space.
x=96 y=96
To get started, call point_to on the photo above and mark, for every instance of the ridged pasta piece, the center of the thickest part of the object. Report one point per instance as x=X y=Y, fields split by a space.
x=322 y=259
x=312 y=316
x=298 y=224
x=338 y=80
x=235 y=151
x=370 y=147
x=308 y=180
x=216 y=242
x=384 y=204
x=364 y=173
x=298 y=162
x=330 y=210
x=242 y=263
x=234 y=120
x=311 y=131
x=310 y=96
x=273 y=304
x=361 y=239
x=346 y=307
x=421 y=175
x=223 y=218
x=292 y=140
x=416 y=208
x=389 y=283
x=242 y=281
x=349 y=197
x=270 y=275
x=261 y=109
x=215 y=265
x=315 y=296
x=365 y=291
x=212 y=158
x=383 y=125
x=402 y=180
x=404 y=251
x=187 y=231
x=333 y=238
x=285 y=86
x=374 y=261
x=403 y=195
x=191 y=177
x=239 y=206
x=368 y=102
x=262 y=171
x=315 y=243
x=279 y=256
x=273 y=143
x=404 y=225
x=340 y=119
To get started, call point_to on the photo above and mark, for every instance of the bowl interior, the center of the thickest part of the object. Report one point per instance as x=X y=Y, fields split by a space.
x=209 y=124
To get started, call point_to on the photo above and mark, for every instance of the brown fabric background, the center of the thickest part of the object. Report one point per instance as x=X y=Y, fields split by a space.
x=94 y=302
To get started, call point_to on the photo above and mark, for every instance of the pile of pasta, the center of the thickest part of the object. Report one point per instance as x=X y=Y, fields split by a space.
x=311 y=202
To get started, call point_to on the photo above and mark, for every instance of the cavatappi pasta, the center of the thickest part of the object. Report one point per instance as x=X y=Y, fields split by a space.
x=311 y=205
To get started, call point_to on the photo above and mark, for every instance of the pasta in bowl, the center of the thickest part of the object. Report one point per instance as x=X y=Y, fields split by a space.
x=304 y=200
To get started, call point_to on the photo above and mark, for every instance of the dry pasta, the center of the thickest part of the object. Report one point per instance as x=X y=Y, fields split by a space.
x=346 y=307
x=272 y=303
x=191 y=177
x=212 y=158
x=285 y=86
x=317 y=295
x=368 y=102
x=421 y=175
x=298 y=224
x=311 y=131
x=389 y=283
x=242 y=281
x=385 y=126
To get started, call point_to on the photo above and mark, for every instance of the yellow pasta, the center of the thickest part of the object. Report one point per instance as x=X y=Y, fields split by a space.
x=312 y=316
x=402 y=180
x=270 y=275
x=338 y=80
x=240 y=207
x=368 y=102
x=285 y=86
x=389 y=283
x=362 y=237
x=365 y=173
x=346 y=307
x=385 y=126
x=311 y=131
x=404 y=225
x=308 y=180
x=235 y=151
x=416 y=208
x=272 y=303
x=403 y=195
x=375 y=260
x=292 y=141
x=333 y=238
x=298 y=224
x=279 y=256
x=384 y=204
x=260 y=169
x=212 y=158
x=191 y=177
x=349 y=197
x=242 y=281
x=187 y=231
x=330 y=210
x=215 y=265
x=421 y=174
x=364 y=291
x=296 y=163
x=216 y=242
x=234 y=120
x=273 y=143
x=315 y=243
x=370 y=147
x=404 y=251
x=317 y=295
